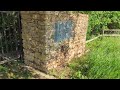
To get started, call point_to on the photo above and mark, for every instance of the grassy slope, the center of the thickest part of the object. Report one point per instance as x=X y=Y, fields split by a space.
x=103 y=60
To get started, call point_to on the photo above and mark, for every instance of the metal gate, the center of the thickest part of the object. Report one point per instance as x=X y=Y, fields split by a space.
x=10 y=35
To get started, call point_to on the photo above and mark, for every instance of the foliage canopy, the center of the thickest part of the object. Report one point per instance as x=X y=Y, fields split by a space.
x=99 y=20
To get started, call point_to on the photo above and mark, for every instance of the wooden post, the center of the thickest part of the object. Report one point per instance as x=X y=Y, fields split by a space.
x=103 y=33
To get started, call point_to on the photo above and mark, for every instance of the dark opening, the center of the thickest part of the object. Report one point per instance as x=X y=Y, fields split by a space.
x=10 y=35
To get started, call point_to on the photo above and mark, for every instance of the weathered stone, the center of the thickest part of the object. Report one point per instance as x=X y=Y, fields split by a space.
x=40 y=49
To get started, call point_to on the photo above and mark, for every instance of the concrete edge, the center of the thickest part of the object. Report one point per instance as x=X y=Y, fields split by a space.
x=40 y=73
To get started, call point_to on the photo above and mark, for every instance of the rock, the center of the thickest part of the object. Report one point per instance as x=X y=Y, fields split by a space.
x=39 y=30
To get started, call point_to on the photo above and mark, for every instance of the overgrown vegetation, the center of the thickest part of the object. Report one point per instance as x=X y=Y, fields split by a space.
x=99 y=20
x=14 y=70
x=102 y=62
x=18 y=70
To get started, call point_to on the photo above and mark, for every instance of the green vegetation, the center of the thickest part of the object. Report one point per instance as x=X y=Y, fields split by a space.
x=99 y=20
x=18 y=70
x=102 y=62
x=14 y=70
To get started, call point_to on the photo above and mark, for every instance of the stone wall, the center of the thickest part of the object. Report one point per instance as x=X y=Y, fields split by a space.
x=44 y=47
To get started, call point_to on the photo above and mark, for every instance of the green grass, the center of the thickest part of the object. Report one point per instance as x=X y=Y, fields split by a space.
x=14 y=70
x=102 y=62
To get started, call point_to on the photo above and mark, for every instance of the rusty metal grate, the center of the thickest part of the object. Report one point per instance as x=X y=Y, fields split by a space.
x=10 y=35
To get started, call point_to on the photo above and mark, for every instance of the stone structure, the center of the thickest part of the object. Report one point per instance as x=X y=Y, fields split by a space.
x=52 y=38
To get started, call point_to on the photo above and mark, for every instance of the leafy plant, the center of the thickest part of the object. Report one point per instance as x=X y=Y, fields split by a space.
x=99 y=20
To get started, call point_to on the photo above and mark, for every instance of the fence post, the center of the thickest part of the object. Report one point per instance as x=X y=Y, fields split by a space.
x=103 y=33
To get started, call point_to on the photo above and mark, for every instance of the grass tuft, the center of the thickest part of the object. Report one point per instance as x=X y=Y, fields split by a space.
x=102 y=62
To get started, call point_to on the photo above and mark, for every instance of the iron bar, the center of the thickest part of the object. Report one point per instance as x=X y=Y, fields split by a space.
x=11 y=38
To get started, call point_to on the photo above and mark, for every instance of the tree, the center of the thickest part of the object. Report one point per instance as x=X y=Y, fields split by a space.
x=99 y=20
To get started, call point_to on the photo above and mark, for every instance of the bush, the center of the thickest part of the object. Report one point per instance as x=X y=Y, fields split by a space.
x=99 y=20
x=113 y=25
